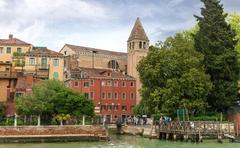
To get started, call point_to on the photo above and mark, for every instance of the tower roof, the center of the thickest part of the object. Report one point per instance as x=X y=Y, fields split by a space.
x=138 y=31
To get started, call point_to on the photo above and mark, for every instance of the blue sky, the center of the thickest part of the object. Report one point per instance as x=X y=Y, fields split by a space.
x=104 y=24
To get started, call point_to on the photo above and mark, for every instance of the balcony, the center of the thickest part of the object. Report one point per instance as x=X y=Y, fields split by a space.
x=18 y=55
x=38 y=73
x=8 y=75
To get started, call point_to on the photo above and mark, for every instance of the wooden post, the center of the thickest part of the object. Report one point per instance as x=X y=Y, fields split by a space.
x=174 y=137
x=83 y=120
x=185 y=137
x=184 y=115
x=15 y=120
x=178 y=115
x=237 y=130
x=167 y=136
x=39 y=120
x=199 y=136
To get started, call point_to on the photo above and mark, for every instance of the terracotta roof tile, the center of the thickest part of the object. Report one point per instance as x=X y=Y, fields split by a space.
x=100 y=73
x=98 y=51
x=138 y=32
x=12 y=41
x=43 y=52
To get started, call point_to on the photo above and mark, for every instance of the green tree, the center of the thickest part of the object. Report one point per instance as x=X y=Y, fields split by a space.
x=173 y=77
x=53 y=98
x=216 y=41
x=234 y=21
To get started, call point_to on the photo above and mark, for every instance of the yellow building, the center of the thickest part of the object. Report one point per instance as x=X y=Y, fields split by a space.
x=18 y=58
x=12 y=52
x=44 y=63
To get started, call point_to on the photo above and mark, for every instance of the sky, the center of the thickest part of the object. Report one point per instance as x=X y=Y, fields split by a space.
x=104 y=24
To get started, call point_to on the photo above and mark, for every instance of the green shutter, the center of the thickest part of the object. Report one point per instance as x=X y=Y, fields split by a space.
x=55 y=75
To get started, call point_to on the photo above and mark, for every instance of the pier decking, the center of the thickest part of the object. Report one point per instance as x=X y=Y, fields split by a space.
x=196 y=130
x=188 y=130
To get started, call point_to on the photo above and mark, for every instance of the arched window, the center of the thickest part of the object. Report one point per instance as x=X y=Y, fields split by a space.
x=140 y=45
x=113 y=64
x=144 y=45
x=132 y=45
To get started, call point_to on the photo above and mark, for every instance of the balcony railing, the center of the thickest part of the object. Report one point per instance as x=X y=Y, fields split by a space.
x=8 y=74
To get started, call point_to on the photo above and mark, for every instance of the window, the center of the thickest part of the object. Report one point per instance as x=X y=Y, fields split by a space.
x=9 y=50
x=109 y=83
x=55 y=62
x=65 y=52
x=131 y=96
x=103 y=83
x=85 y=84
x=55 y=75
x=86 y=95
x=1 y=50
x=103 y=95
x=113 y=64
x=32 y=61
x=18 y=94
x=132 y=45
x=123 y=83
x=91 y=82
x=76 y=84
x=103 y=107
x=115 y=95
x=131 y=84
x=109 y=95
x=115 y=107
x=44 y=63
x=124 y=95
x=124 y=107
x=109 y=107
x=92 y=95
x=19 y=50
x=140 y=45
x=144 y=45
x=115 y=83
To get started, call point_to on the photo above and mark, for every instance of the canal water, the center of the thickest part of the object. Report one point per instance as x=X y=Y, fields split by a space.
x=118 y=141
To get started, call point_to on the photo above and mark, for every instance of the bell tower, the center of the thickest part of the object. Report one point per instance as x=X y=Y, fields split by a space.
x=137 y=45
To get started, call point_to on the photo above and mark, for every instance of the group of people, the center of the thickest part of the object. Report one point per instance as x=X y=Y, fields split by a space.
x=163 y=121
x=136 y=120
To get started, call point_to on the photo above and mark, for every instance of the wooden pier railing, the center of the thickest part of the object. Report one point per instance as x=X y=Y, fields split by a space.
x=186 y=129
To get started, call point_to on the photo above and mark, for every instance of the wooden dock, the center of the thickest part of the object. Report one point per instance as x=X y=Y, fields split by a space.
x=196 y=130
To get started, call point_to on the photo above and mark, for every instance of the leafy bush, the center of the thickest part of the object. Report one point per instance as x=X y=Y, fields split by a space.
x=18 y=54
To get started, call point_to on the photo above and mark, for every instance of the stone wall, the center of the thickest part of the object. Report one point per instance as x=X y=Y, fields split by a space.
x=52 y=132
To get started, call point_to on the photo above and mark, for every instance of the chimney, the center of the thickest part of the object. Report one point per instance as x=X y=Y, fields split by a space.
x=10 y=36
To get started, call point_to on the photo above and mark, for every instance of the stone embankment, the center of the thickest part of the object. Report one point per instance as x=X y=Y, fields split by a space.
x=52 y=133
x=147 y=131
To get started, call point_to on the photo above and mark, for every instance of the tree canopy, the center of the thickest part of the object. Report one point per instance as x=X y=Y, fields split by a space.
x=52 y=97
x=216 y=40
x=173 y=76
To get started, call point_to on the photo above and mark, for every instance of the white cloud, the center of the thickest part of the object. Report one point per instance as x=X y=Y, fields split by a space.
x=95 y=23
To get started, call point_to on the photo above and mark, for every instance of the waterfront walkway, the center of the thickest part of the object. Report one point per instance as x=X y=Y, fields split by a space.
x=52 y=133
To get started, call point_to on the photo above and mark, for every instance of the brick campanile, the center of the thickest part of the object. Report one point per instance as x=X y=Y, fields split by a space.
x=137 y=45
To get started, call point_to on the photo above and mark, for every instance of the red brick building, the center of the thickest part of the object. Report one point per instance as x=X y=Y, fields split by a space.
x=113 y=93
